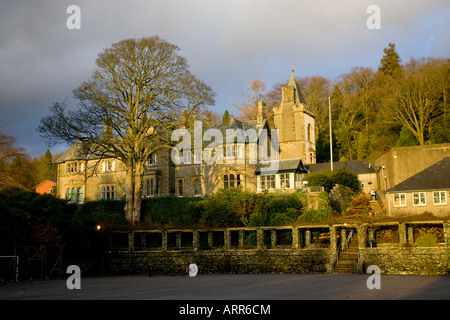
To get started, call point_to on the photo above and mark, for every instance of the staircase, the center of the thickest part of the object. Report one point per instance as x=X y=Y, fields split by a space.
x=347 y=258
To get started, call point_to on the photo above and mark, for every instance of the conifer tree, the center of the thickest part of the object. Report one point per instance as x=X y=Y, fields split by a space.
x=226 y=117
x=390 y=62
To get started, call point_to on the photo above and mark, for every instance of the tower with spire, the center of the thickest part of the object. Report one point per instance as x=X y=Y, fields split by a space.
x=295 y=124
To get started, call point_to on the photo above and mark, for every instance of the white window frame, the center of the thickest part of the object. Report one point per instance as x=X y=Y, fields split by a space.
x=421 y=197
x=442 y=197
x=400 y=196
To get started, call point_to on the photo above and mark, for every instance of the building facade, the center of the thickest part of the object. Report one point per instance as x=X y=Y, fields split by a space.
x=83 y=177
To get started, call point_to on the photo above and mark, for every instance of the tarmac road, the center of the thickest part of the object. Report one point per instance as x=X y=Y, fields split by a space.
x=234 y=287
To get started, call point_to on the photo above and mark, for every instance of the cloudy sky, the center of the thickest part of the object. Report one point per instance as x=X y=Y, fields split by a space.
x=228 y=43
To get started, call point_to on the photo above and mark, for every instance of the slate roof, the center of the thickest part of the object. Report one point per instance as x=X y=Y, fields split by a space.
x=287 y=165
x=434 y=177
x=354 y=166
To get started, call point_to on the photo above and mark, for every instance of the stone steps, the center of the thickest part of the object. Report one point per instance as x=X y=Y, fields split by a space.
x=346 y=261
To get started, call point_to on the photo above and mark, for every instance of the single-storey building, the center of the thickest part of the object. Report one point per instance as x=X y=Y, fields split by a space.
x=424 y=192
x=46 y=187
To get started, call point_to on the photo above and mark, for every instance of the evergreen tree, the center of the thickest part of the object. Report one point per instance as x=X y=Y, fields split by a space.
x=226 y=118
x=390 y=63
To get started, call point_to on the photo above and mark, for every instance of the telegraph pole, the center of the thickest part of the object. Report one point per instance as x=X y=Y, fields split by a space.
x=331 y=137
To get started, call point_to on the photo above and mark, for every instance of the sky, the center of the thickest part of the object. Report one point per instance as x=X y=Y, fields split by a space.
x=227 y=43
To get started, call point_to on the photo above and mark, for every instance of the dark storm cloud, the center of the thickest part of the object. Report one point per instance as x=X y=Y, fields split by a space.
x=227 y=43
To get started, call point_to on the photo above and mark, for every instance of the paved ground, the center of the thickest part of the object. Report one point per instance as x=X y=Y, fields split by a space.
x=233 y=287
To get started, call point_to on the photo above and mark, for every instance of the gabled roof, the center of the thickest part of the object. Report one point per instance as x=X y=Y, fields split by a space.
x=53 y=181
x=354 y=166
x=284 y=166
x=434 y=177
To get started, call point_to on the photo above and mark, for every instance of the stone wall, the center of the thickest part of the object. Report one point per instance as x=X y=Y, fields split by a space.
x=405 y=260
x=221 y=261
x=289 y=249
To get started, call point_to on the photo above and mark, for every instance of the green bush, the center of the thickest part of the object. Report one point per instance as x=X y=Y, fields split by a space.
x=328 y=179
x=172 y=211
x=427 y=240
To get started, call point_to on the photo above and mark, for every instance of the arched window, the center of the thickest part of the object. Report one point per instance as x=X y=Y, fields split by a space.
x=103 y=193
x=73 y=195
x=69 y=194
x=231 y=180
x=225 y=181
x=197 y=187
x=180 y=188
x=80 y=195
x=238 y=179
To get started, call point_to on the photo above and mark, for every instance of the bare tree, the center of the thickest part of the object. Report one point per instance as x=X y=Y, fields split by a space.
x=248 y=108
x=418 y=97
x=138 y=93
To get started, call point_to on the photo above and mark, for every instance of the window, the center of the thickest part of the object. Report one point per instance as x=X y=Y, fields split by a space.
x=238 y=179
x=285 y=182
x=75 y=194
x=399 y=199
x=75 y=167
x=186 y=156
x=309 y=132
x=419 y=199
x=240 y=152
x=270 y=180
x=69 y=194
x=80 y=195
x=180 y=188
x=108 y=165
x=230 y=152
x=225 y=181
x=231 y=180
x=262 y=182
x=107 y=192
x=197 y=187
x=440 y=197
x=151 y=160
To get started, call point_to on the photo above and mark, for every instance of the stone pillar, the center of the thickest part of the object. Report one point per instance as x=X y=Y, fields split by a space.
x=178 y=240
x=410 y=234
x=273 y=238
x=210 y=240
x=130 y=241
x=343 y=237
x=446 y=227
x=402 y=233
x=307 y=237
x=241 y=239
x=227 y=239
x=164 y=240
x=333 y=239
x=260 y=239
x=295 y=244
x=195 y=240
x=362 y=235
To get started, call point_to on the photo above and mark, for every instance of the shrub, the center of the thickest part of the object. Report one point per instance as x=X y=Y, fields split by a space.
x=427 y=240
x=328 y=179
x=172 y=211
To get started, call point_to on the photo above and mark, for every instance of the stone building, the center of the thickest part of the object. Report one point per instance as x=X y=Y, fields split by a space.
x=84 y=177
x=425 y=192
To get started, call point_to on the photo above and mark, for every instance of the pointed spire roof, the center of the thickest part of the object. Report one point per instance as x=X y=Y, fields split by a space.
x=298 y=96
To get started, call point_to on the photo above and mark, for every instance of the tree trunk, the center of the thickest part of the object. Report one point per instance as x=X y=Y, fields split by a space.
x=133 y=192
